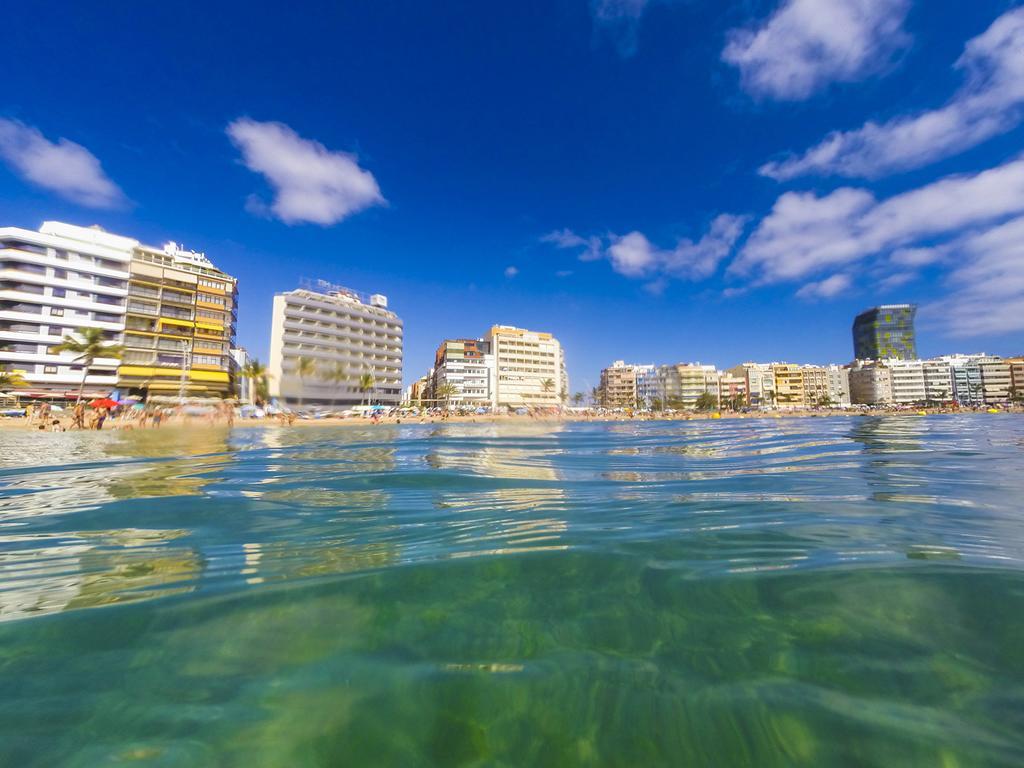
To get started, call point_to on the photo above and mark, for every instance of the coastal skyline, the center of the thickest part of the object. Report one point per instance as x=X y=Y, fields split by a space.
x=596 y=171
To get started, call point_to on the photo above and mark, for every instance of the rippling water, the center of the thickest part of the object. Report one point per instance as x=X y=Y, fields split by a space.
x=796 y=592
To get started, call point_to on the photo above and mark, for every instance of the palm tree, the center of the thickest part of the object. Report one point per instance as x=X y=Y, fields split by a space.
x=547 y=385
x=706 y=402
x=337 y=374
x=305 y=367
x=446 y=392
x=366 y=384
x=578 y=398
x=256 y=373
x=12 y=380
x=92 y=345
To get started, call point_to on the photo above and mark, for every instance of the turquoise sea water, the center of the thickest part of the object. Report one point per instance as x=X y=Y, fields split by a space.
x=796 y=592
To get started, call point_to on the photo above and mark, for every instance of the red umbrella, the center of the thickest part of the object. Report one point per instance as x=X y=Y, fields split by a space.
x=103 y=402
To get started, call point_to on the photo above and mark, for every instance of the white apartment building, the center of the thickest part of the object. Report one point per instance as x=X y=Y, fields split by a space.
x=530 y=368
x=908 y=383
x=995 y=380
x=646 y=383
x=870 y=383
x=339 y=335
x=938 y=381
x=838 y=384
x=464 y=374
x=53 y=282
x=681 y=385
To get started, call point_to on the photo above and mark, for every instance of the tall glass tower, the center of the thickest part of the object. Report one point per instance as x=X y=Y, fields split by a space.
x=885 y=332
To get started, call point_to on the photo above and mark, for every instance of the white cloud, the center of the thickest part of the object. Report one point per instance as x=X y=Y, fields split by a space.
x=805 y=234
x=988 y=288
x=825 y=289
x=896 y=280
x=566 y=238
x=990 y=102
x=620 y=21
x=974 y=223
x=311 y=183
x=633 y=255
x=918 y=257
x=511 y=271
x=64 y=167
x=808 y=44
x=656 y=287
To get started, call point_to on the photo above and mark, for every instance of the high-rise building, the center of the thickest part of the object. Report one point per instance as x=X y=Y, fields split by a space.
x=618 y=388
x=331 y=346
x=938 y=381
x=646 y=384
x=838 y=384
x=732 y=390
x=965 y=374
x=996 y=380
x=908 y=382
x=179 y=325
x=464 y=374
x=789 y=385
x=885 y=332
x=530 y=368
x=53 y=282
x=682 y=384
x=870 y=383
x=171 y=310
x=1016 y=378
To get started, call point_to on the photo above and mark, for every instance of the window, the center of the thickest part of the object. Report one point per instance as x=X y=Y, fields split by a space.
x=49 y=369
x=57 y=311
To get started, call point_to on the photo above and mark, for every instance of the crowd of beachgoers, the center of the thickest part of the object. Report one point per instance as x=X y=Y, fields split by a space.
x=106 y=414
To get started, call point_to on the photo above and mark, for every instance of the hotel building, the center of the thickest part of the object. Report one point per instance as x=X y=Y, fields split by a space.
x=53 y=282
x=464 y=374
x=340 y=335
x=885 y=332
x=179 y=325
x=530 y=368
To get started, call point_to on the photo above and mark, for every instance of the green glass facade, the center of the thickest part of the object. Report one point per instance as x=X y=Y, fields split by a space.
x=885 y=332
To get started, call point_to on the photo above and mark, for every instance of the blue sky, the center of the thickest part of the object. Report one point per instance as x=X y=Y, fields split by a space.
x=653 y=180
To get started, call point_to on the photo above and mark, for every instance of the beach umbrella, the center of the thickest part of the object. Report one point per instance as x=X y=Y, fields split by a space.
x=103 y=402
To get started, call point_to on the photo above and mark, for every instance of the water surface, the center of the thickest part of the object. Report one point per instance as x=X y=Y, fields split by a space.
x=793 y=592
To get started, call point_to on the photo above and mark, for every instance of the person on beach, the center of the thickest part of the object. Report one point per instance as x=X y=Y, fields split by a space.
x=101 y=416
x=78 y=416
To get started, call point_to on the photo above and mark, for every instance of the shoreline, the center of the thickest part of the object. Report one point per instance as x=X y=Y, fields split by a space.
x=115 y=425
